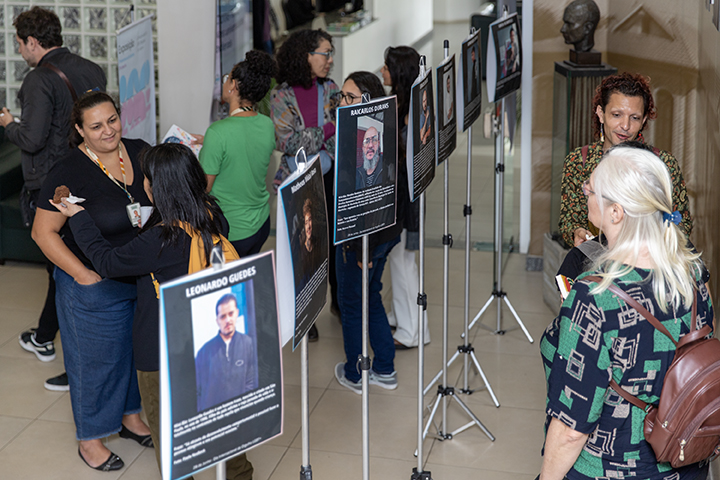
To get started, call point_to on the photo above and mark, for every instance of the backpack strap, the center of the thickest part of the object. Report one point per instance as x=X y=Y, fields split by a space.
x=64 y=78
x=640 y=309
x=584 y=153
x=630 y=398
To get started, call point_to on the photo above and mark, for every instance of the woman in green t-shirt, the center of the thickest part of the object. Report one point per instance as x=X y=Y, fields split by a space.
x=236 y=153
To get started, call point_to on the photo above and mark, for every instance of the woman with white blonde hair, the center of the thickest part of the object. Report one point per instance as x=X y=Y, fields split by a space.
x=591 y=431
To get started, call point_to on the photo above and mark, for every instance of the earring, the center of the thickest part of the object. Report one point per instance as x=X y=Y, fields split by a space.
x=612 y=220
x=602 y=133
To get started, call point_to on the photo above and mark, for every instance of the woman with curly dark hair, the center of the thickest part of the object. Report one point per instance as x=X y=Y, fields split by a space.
x=401 y=68
x=302 y=107
x=621 y=108
x=236 y=153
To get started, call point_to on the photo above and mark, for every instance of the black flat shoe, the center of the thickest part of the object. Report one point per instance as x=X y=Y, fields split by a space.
x=144 y=440
x=112 y=463
x=313 y=334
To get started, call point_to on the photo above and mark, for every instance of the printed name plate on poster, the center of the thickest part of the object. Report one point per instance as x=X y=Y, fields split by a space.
x=421 y=136
x=302 y=250
x=220 y=365
x=136 y=74
x=366 y=168
x=469 y=81
x=446 y=133
x=504 y=58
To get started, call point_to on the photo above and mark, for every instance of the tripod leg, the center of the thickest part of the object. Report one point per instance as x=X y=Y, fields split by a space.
x=475 y=419
x=482 y=310
x=430 y=419
x=485 y=380
x=517 y=318
x=437 y=377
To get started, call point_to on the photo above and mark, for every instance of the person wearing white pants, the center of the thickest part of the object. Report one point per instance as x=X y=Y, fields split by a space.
x=404 y=281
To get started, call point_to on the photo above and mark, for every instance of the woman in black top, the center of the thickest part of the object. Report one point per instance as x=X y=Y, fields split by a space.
x=176 y=184
x=95 y=313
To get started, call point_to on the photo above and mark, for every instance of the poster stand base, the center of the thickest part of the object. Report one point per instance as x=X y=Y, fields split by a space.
x=498 y=294
x=306 y=473
x=422 y=475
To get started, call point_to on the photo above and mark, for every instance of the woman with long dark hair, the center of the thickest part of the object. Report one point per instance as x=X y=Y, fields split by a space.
x=302 y=107
x=183 y=213
x=102 y=168
x=236 y=153
x=348 y=258
x=401 y=68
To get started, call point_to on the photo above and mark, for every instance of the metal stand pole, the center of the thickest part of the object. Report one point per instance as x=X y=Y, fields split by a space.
x=443 y=390
x=498 y=294
x=418 y=472
x=305 y=468
x=365 y=362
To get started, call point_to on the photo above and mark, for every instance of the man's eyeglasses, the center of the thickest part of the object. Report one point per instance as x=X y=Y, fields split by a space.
x=374 y=140
x=329 y=54
x=348 y=97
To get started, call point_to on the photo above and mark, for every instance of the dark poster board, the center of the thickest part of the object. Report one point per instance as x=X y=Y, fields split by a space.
x=504 y=67
x=366 y=168
x=446 y=132
x=421 y=136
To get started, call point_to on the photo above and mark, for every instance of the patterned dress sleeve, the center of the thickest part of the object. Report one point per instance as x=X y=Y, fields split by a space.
x=573 y=206
x=290 y=131
x=679 y=194
x=582 y=364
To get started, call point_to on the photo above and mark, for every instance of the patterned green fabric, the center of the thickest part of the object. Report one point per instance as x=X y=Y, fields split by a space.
x=573 y=203
x=594 y=337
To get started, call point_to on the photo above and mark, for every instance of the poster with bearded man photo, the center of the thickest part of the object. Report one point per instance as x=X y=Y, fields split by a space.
x=366 y=173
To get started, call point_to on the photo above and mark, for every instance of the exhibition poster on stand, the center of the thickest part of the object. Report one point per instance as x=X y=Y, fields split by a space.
x=421 y=136
x=504 y=58
x=220 y=365
x=366 y=168
x=469 y=81
x=302 y=250
x=446 y=133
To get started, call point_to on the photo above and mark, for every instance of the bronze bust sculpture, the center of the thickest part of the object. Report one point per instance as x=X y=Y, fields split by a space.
x=580 y=20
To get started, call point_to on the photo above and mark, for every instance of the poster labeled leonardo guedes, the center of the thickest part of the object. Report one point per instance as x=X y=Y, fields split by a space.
x=366 y=168
x=421 y=136
x=220 y=365
x=302 y=249
x=504 y=60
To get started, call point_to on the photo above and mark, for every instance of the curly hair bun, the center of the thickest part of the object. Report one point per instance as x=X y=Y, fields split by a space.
x=260 y=63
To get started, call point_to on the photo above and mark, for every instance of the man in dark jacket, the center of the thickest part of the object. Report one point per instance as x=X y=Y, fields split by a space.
x=47 y=95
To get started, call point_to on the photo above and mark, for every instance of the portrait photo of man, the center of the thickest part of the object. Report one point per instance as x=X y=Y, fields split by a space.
x=226 y=365
x=448 y=98
x=310 y=253
x=371 y=170
x=512 y=57
x=473 y=74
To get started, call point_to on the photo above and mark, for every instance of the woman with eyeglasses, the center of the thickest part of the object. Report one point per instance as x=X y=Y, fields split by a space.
x=236 y=153
x=302 y=107
x=349 y=278
x=401 y=68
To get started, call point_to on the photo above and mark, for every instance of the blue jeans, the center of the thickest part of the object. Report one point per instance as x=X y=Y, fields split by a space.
x=349 y=278
x=96 y=328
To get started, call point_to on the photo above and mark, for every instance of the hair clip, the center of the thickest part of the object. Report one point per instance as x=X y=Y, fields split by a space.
x=674 y=217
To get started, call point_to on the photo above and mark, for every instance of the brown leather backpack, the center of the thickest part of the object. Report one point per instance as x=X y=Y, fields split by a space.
x=684 y=428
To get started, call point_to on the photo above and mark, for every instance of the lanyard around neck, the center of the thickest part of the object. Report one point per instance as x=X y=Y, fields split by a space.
x=97 y=161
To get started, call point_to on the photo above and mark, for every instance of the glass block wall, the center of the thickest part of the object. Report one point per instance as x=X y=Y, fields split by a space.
x=88 y=28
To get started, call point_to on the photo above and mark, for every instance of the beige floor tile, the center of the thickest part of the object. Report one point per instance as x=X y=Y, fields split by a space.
x=60 y=410
x=461 y=473
x=264 y=458
x=10 y=427
x=24 y=286
x=144 y=467
x=292 y=420
x=56 y=441
x=27 y=398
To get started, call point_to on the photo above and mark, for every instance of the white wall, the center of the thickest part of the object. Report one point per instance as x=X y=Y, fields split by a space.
x=186 y=53
x=455 y=10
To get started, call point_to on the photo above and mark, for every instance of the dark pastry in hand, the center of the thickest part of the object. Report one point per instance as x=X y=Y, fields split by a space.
x=61 y=192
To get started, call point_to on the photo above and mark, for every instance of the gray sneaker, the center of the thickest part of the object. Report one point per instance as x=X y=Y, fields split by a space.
x=342 y=379
x=388 y=381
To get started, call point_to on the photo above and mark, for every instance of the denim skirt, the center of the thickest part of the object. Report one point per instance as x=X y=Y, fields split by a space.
x=96 y=327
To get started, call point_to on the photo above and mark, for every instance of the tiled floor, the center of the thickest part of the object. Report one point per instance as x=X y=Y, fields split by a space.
x=37 y=432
